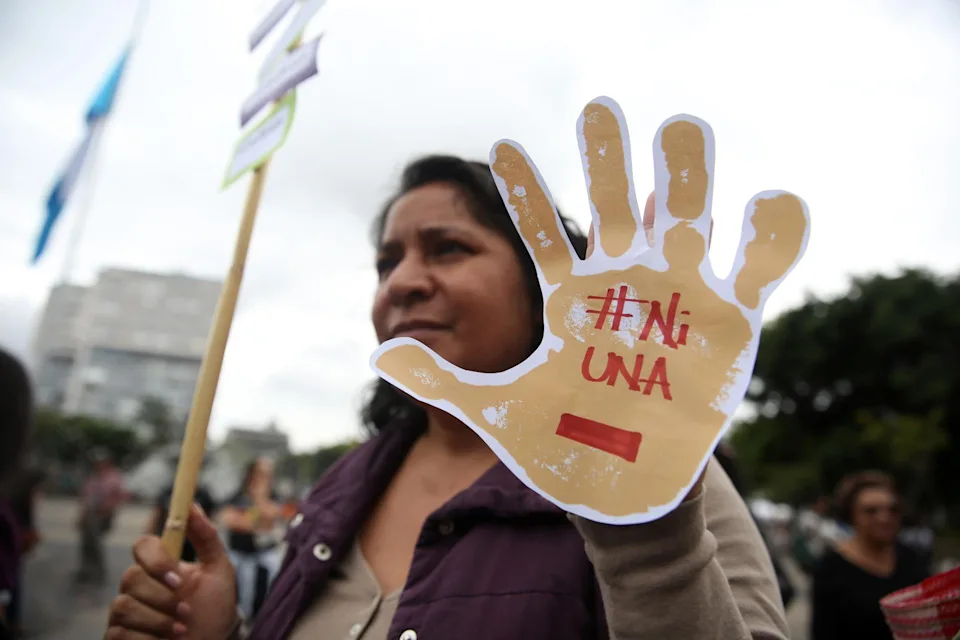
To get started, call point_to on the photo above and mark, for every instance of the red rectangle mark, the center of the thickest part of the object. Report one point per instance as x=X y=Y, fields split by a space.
x=619 y=442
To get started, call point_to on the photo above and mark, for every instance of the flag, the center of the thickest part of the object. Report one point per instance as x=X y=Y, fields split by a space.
x=102 y=103
x=99 y=109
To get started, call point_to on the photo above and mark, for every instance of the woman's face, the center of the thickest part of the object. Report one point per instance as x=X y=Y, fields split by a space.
x=451 y=283
x=876 y=515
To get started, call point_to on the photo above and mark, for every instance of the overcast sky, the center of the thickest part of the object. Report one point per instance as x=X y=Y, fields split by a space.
x=851 y=104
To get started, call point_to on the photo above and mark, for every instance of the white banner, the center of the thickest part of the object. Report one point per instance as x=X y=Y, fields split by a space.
x=269 y=21
x=299 y=65
x=294 y=30
x=263 y=140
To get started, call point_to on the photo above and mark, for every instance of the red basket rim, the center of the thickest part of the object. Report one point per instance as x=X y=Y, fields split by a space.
x=939 y=589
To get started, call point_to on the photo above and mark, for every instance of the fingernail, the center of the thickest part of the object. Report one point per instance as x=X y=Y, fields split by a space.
x=172 y=579
x=179 y=628
x=183 y=610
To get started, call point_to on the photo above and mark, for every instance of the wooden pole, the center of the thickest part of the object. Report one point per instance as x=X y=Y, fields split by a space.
x=195 y=437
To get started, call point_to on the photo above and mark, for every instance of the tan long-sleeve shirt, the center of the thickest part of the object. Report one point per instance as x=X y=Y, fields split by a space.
x=701 y=572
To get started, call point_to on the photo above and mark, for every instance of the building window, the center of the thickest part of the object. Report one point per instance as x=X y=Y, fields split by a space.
x=152 y=292
x=161 y=341
x=94 y=376
x=108 y=308
x=128 y=408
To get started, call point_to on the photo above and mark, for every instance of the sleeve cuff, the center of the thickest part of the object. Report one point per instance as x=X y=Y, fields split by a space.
x=676 y=535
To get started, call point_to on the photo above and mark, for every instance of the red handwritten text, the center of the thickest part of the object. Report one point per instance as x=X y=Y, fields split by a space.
x=614 y=303
x=616 y=367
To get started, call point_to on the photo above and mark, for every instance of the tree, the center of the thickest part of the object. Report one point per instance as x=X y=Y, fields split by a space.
x=308 y=467
x=325 y=457
x=68 y=439
x=156 y=414
x=869 y=379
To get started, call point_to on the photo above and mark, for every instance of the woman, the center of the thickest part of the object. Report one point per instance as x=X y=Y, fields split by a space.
x=852 y=577
x=16 y=418
x=422 y=532
x=254 y=519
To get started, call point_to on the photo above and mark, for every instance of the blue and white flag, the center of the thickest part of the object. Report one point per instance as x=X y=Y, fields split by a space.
x=99 y=109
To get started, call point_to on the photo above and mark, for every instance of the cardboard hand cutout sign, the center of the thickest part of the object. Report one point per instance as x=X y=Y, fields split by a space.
x=646 y=352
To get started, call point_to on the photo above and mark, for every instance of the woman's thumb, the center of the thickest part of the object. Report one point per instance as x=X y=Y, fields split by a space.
x=203 y=535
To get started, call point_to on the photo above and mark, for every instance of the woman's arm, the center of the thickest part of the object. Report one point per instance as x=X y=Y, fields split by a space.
x=236 y=520
x=699 y=572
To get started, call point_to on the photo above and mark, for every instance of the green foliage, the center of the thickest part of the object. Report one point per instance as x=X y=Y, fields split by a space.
x=866 y=380
x=156 y=414
x=69 y=439
x=324 y=457
x=310 y=466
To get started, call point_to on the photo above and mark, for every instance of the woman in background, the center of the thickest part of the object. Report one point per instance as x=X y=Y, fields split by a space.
x=254 y=521
x=16 y=418
x=851 y=578
x=161 y=509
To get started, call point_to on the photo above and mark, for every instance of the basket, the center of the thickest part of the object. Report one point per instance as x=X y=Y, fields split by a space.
x=926 y=611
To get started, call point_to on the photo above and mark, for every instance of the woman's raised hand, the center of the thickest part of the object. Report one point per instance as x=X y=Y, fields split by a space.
x=646 y=353
x=162 y=598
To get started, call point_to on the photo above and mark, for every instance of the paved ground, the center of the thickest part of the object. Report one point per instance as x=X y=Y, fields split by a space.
x=54 y=610
x=798 y=615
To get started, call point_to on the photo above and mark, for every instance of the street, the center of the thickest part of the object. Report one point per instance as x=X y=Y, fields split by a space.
x=55 y=610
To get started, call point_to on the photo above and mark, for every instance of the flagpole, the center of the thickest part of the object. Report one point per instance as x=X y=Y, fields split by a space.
x=88 y=186
x=91 y=165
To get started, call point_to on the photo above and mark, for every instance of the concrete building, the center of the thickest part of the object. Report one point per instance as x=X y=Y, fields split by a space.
x=101 y=350
x=55 y=343
x=219 y=475
x=244 y=444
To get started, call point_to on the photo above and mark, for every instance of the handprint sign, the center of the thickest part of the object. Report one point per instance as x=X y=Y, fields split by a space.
x=646 y=352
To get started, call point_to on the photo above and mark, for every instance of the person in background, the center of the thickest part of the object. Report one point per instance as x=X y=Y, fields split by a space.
x=813 y=532
x=24 y=496
x=16 y=420
x=254 y=521
x=158 y=516
x=101 y=496
x=852 y=577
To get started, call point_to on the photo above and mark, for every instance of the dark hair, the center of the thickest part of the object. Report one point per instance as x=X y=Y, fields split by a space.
x=385 y=405
x=16 y=414
x=248 y=472
x=852 y=485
